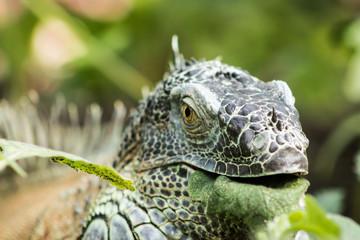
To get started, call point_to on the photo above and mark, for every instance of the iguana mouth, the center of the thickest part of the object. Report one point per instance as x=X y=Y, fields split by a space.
x=267 y=181
x=286 y=160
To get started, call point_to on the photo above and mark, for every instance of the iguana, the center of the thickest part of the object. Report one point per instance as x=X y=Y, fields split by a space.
x=203 y=116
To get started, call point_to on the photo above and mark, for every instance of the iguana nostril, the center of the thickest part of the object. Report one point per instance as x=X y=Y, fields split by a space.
x=260 y=141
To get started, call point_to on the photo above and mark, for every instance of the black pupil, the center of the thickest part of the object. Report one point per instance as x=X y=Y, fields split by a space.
x=187 y=112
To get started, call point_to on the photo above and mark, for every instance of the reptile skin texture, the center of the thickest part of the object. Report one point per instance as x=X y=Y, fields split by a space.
x=203 y=116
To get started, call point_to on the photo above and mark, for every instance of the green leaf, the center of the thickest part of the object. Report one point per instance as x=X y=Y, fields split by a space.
x=201 y=185
x=253 y=201
x=13 y=150
x=349 y=229
x=313 y=220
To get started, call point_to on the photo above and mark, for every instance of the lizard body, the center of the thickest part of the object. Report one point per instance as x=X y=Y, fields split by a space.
x=203 y=116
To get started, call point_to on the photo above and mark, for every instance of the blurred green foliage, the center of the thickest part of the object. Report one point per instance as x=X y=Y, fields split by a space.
x=312 y=45
x=298 y=41
x=331 y=200
x=313 y=220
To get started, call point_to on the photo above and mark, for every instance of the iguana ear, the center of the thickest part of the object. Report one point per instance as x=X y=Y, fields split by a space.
x=179 y=60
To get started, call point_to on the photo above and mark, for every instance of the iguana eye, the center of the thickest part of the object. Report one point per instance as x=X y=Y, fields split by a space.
x=189 y=114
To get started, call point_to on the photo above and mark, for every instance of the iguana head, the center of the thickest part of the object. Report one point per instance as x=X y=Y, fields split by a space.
x=218 y=118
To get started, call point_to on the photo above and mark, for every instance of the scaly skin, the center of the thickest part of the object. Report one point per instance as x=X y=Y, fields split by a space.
x=204 y=116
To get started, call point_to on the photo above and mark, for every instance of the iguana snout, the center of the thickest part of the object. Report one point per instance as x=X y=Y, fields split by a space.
x=261 y=136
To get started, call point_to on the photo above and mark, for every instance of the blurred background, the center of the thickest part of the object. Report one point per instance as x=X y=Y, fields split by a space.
x=105 y=50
